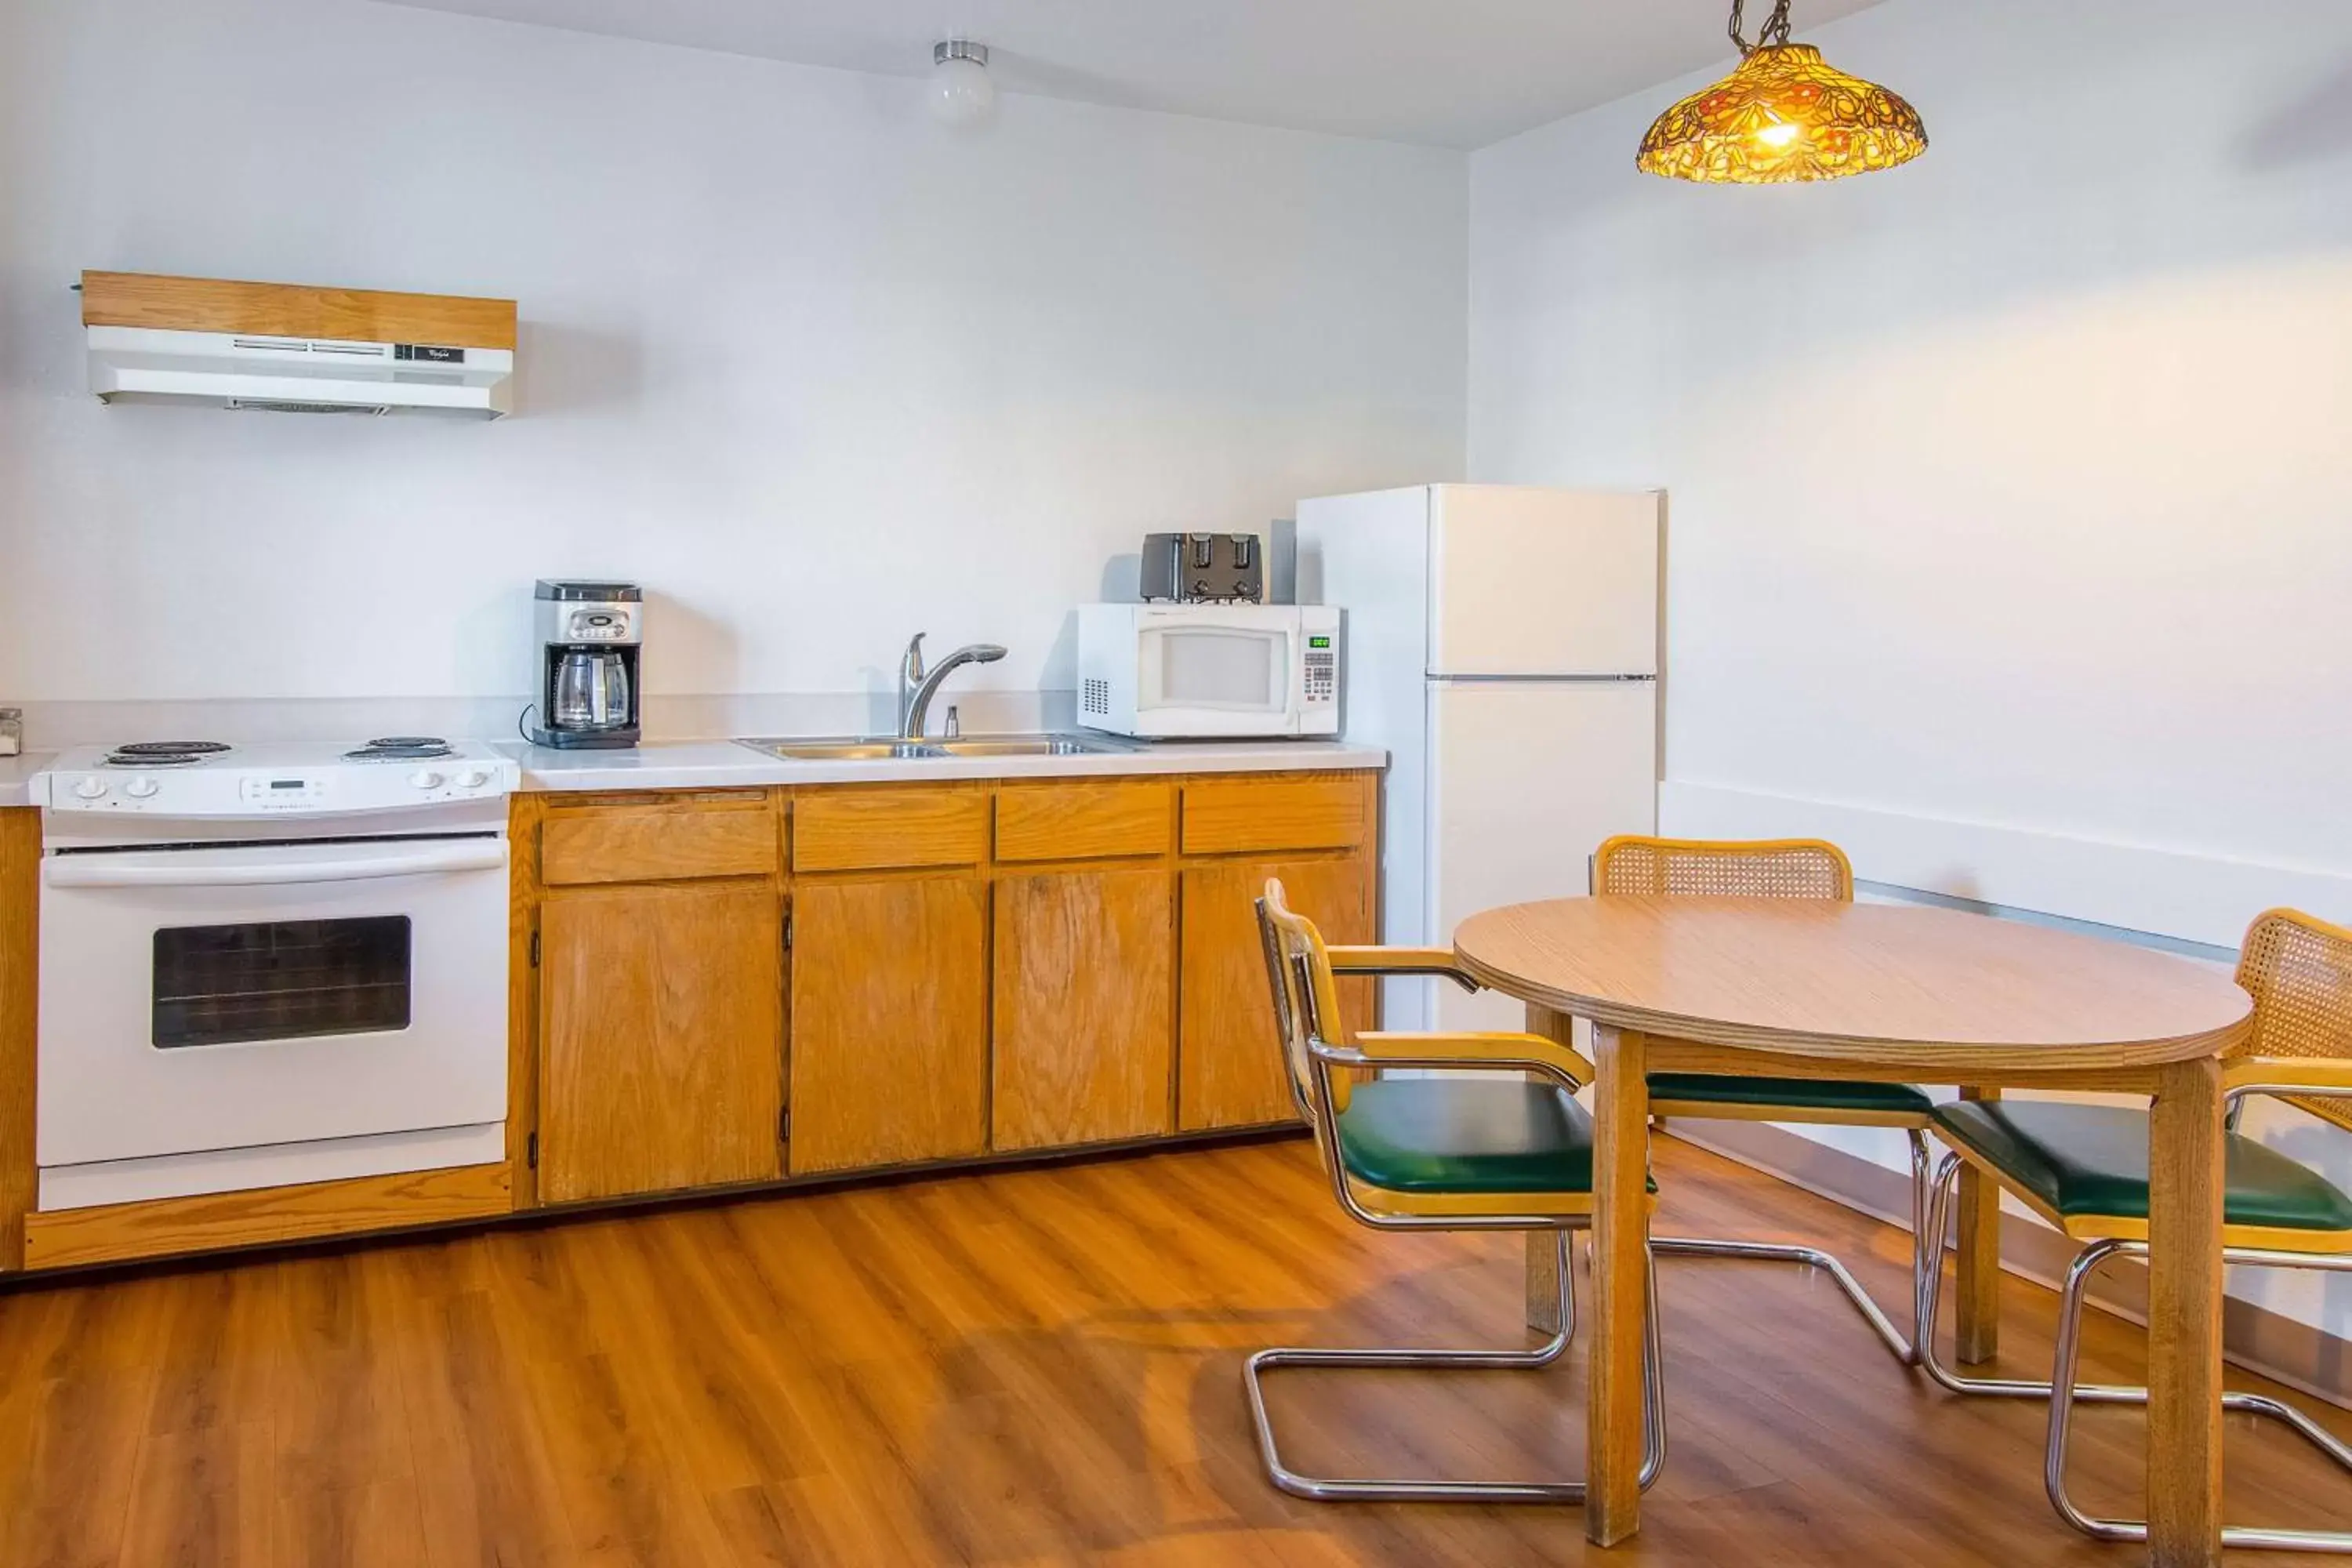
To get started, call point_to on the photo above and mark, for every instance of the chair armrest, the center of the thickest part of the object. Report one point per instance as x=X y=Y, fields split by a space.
x=2263 y=1075
x=1438 y=962
x=1498 y=1049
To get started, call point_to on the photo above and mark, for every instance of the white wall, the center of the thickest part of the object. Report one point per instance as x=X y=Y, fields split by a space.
x=818 y=372
x=2012 y=535
x=2011 y=489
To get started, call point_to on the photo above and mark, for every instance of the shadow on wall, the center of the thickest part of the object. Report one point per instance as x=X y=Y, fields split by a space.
x=563 y=369
x=698 y=652
x=1060 y=672
x=2314 y=127
x=1122 y=580
x=497 y=632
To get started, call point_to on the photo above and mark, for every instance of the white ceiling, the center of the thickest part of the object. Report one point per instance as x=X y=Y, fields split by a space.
x=1450 y=73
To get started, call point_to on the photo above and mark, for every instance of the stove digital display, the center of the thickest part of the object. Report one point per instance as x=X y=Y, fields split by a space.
x=280 y=794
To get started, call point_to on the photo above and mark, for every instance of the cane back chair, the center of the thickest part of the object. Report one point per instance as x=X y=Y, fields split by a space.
x=1771 y=869
x=1492 y=1150
x=2084 y=1168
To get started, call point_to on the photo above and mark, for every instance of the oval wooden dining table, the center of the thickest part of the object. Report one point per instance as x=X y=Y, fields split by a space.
x=1798 y=988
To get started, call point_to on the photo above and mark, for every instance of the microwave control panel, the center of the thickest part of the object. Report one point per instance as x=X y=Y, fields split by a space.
x=1322 y=669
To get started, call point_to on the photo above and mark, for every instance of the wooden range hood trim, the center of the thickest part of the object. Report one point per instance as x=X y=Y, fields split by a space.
x=294 y=311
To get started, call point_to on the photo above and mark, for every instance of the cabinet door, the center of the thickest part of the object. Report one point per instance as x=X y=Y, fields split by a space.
x=890 y=1057
x=663 y=1030
x=1229 y=1070
x=1084 y=1008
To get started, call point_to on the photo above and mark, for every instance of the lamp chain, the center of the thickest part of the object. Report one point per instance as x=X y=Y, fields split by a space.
x=1774 y=31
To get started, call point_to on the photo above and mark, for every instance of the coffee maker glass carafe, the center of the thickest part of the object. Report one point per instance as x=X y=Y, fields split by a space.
x=592 y=691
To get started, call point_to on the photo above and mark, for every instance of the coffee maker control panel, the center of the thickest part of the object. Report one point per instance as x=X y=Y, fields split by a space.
x=611 y=623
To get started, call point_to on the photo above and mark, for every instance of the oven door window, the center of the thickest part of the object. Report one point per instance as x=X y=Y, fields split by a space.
x=280 y=980
x=1236 y=670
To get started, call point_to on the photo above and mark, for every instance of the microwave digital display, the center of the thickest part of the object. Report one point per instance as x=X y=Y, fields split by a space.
x=1318 y=642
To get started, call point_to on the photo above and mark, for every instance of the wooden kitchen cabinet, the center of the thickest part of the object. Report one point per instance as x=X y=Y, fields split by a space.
x=973 y=969
x=1229 y=1070
x=1085 y=1007
x=661 y=1032
x=889 y=1044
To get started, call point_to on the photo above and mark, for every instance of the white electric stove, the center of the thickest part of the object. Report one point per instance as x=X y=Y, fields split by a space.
x=270 y=964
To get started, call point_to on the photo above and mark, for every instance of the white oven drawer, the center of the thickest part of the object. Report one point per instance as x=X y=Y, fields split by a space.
x=217 y=998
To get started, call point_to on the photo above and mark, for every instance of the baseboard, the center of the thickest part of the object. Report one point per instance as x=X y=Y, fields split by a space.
x=2278 y=1347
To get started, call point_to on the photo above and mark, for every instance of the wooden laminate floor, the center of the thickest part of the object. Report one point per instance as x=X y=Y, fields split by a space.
x=1024 y=1368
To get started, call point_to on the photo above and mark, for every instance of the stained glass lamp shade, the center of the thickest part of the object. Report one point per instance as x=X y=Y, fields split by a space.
x=1785 y=114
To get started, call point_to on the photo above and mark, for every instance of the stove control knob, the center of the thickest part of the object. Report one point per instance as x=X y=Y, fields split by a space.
x=473 y=778
x=426 y=778
x=90 y=789
x=141 y=789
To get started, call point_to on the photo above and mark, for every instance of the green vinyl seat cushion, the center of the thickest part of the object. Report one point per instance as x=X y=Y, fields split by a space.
x=2090 y=1162
x=1795 y=1095
x=1483 y=1134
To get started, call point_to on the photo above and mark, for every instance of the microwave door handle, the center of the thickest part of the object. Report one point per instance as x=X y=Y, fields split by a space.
x=190 y=869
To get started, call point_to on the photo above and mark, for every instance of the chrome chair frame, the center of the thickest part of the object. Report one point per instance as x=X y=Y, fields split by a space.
x=1325 y=1058
x=2067 y=1358
x=1903 y=1350
x=1900 y=1347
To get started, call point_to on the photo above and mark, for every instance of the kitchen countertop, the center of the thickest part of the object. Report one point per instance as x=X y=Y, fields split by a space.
x=17 y=776
x=723 y=764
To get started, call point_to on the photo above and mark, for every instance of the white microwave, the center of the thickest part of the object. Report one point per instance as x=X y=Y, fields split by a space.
x=1163 y=671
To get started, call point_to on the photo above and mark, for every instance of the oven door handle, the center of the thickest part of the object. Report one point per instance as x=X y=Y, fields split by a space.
x=192 y=870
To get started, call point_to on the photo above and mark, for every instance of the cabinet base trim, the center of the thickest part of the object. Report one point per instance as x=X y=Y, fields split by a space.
x=989 y=1163
x=220 y=1171
x=114 y=1233
x=475 y=1196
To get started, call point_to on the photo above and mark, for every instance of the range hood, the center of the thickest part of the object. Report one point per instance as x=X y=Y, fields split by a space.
x=288 y=349
x=297 y=375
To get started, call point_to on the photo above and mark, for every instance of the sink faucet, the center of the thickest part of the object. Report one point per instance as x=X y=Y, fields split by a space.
x=916 y=688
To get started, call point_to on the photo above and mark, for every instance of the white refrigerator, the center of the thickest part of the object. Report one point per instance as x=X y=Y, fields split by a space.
x=1502 y=643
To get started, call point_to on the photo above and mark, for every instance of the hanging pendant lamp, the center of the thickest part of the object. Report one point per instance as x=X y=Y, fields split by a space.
x=1785 y=114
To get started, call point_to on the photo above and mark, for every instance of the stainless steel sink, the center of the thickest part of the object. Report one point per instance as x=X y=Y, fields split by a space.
x=844 y=749
x=886 y=749
x=1029 y=746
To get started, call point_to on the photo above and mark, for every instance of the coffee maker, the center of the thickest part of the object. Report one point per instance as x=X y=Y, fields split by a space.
x=589 y=634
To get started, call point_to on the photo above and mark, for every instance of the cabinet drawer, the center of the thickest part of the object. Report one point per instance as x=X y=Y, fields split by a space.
x=1082 y=821
x=1223 y=816
x=657 y=843
x=879 y=829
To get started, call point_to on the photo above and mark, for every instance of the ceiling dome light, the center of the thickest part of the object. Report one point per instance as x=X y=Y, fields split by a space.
x=961 y=90
x=1785 y=114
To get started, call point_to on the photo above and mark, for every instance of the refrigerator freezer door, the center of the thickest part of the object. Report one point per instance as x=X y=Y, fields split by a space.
x=1539 y=582
x=1525 y=779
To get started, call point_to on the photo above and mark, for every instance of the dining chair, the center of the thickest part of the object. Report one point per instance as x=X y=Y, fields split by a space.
x=1492 y=1150
x=2084 y=1168
x=1771 y=868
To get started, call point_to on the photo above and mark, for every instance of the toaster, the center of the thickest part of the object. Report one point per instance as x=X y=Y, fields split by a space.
x=1203 y=568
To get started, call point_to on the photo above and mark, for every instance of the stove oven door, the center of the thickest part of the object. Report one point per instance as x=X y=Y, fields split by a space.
x=218 y=1017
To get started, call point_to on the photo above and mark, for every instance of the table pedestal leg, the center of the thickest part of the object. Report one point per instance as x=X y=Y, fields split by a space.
x=2184 y=1315
x=1543 y=1258
x=1621 y=1223
x=1976 y=1318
